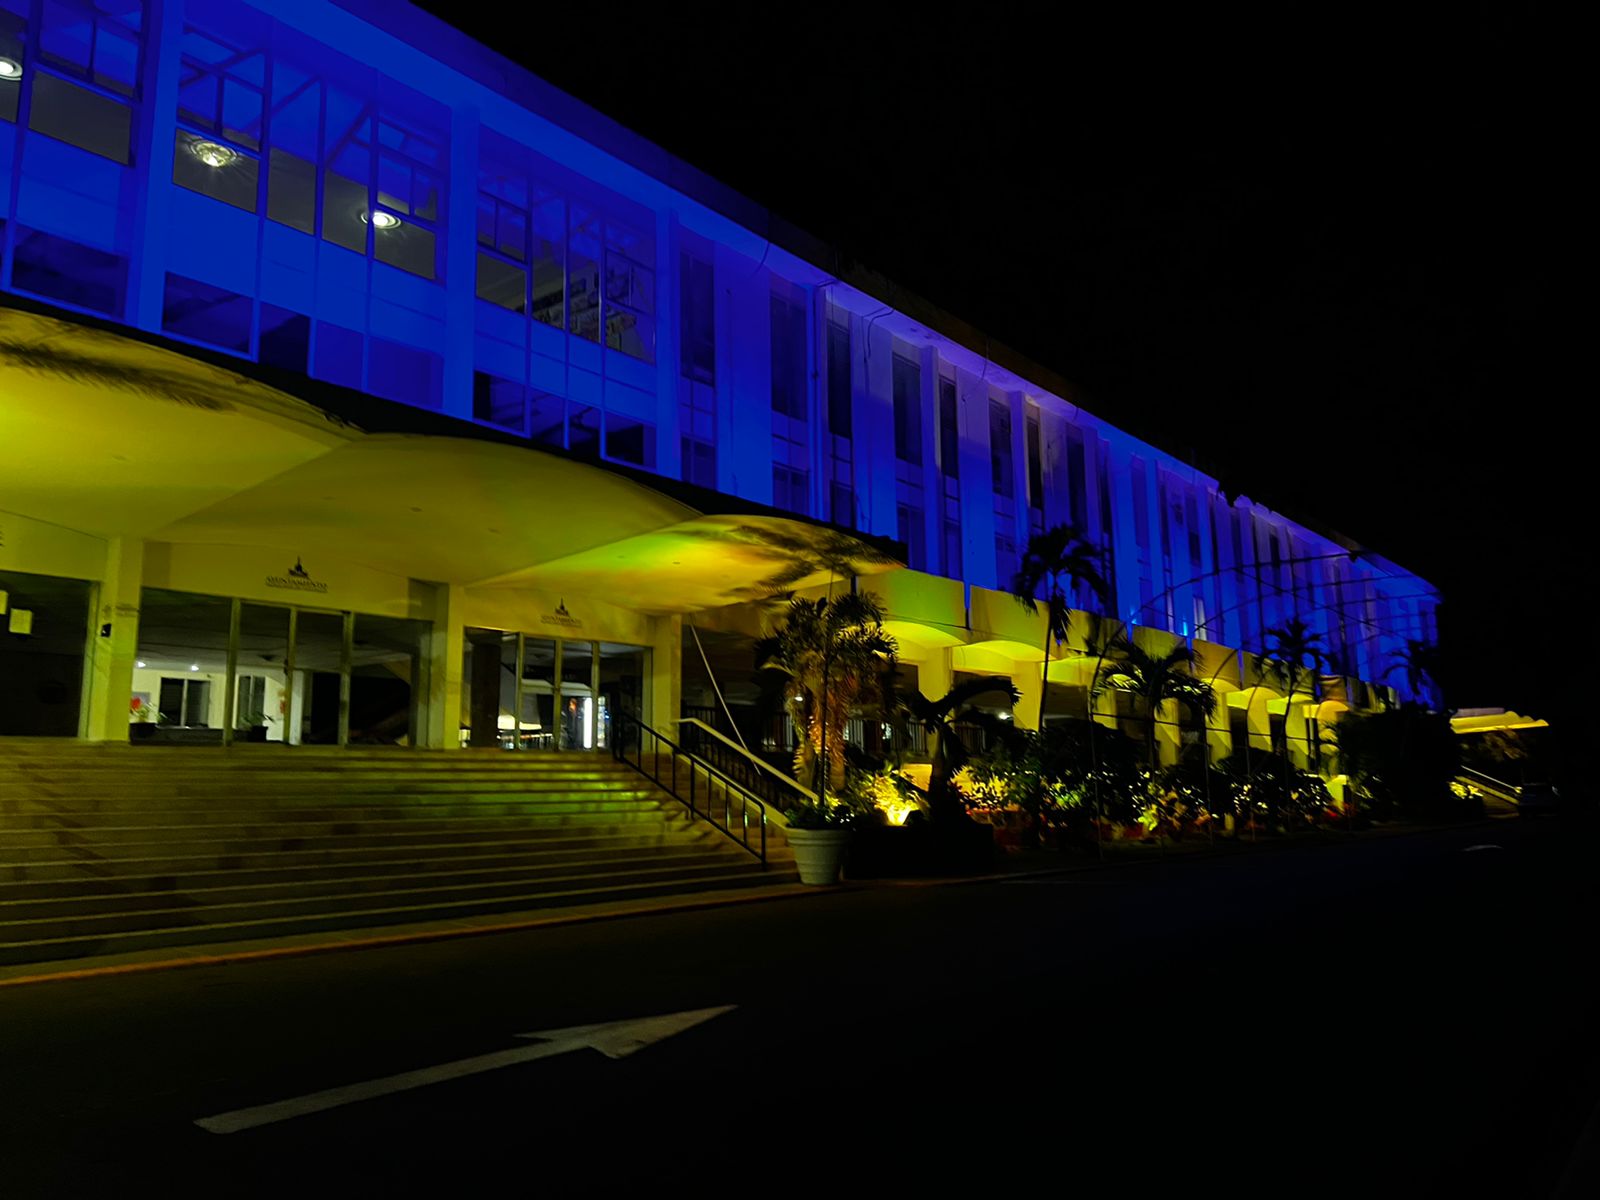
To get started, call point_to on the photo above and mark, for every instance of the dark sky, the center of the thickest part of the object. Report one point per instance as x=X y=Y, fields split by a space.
x=1314 y=251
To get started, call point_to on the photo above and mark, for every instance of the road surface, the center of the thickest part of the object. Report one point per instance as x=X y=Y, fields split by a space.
x=1407 y=1016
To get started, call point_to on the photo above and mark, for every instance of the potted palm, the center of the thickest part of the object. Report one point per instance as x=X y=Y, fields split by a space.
x=833 y=652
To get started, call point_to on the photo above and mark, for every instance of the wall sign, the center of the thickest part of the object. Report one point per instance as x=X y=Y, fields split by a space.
x=297 y=579
x=561 y=617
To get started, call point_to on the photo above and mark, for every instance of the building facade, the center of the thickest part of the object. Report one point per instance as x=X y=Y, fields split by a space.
x=350 y=371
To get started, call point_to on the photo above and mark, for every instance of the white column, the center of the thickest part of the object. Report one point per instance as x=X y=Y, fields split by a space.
x=664 y=698
x=114 y=642
x=446 y=646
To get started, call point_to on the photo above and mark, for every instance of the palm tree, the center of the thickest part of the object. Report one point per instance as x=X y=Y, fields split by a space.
x=1054 y=561
x=940 y=717
x=1154 y=679
x=834 y=651
x=1419 y=662
x=1295 y=654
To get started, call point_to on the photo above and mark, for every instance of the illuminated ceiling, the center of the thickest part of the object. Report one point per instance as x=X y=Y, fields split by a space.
x=111 y=436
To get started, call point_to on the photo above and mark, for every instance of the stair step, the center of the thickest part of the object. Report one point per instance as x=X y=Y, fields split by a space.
x=61 y=948
x=14 y=930
x=187 y=878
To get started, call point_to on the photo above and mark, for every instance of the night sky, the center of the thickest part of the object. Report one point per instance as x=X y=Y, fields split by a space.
x=1315 y=257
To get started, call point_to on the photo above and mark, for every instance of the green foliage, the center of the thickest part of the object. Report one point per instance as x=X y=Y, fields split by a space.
x=1403 y=759
x=836 y=658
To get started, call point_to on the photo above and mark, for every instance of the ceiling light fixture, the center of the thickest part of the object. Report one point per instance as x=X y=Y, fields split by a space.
x=140 y=663
x=379 y=219
x=194 y=666
x=10 y=68
x=213 y=155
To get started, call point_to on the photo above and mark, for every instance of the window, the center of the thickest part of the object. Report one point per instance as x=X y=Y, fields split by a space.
x=497 y=401
x=907 y=411
x=285 y=339
x=842 y=504
x=567 y=264
x=839 y=399
x=791 y=488
x=1035 y=463
x=1000 y=454
x=788 y=341
x=952 y=549
x=220 y=103
x=630 y=297
x=87 y=76
x=1006 y=561
x=204 y=313
x=58 y=269
x=13 y=39
x=911 y=529
x=949 y=430
x=699 y=463
x=697 y=332
x=547 y=419
x=630 y=441
x=1077 y=482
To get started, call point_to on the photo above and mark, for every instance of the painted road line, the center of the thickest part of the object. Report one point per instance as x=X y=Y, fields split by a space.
x=614 y=1039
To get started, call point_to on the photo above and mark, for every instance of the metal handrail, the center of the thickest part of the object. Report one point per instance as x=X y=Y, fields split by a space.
x=1507 y=791
x=705 y=780
x=781 y=790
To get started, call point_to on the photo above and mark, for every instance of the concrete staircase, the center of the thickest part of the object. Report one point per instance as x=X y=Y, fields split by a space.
x=106 y=848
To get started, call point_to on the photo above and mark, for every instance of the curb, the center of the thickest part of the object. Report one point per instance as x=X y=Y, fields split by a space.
x=57 y=972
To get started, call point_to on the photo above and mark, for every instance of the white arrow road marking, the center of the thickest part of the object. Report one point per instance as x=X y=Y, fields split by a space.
x=1482 y=846
x=615 y=1039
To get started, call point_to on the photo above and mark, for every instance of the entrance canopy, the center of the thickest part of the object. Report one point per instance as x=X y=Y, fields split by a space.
x=110 y=436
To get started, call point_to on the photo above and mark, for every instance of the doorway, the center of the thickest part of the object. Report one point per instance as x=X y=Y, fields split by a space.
x=218 y=670
x=529 y=692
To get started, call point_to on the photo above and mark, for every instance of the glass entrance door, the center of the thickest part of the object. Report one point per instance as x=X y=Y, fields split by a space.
x=524 y=692
x=319 y=704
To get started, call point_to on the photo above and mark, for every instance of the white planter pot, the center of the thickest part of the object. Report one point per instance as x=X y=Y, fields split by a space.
x=818 y=853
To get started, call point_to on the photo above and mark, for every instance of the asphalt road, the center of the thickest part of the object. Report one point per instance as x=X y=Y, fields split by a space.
x=1403 y=1017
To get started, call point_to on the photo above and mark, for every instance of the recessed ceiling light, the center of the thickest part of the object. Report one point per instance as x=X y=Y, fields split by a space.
x=194 y=666
x=10 y=68
x=380 y=219
x=139 y=663
x=213 y=154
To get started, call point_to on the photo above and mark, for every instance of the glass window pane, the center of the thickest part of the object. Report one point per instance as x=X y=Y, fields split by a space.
x=199 y=97
x=63 y=270
x=549 y=263
x=197 y=310
x=632 y=334
x=291 y=191
x=241 y=113
x=583 y=431
x=404 y=244
x=81 y=118
x=547 y=419
x=584 y=276
x=12 y=38
x=344 y=212
x=630 y=441
x=499 y=401
x=215 y=170
x=499 y=282
x=116 y=60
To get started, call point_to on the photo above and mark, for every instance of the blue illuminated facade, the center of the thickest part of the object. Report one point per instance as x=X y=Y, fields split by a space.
x=361 y=195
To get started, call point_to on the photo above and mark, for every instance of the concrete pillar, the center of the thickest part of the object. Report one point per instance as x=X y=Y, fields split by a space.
x=1029 y=678
x=935 y=676
x=664 y=699
x=445 y=651
x=114 y=642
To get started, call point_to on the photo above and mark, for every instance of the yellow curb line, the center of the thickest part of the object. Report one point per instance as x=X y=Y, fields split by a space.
x=402 y=939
